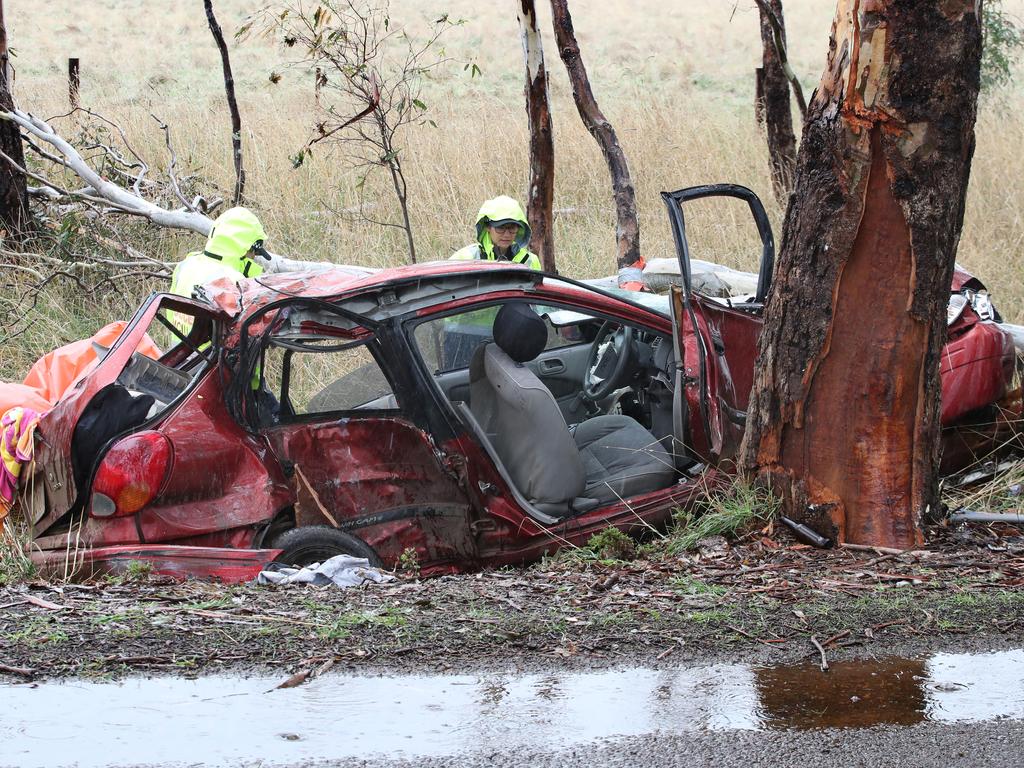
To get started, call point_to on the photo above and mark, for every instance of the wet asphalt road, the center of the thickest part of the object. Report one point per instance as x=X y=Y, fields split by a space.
x=926 y=745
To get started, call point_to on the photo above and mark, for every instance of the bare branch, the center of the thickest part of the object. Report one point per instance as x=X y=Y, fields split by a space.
x=106 y=191
x=171 y=175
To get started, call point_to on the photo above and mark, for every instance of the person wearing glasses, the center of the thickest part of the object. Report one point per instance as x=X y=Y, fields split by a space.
x=502 y=234
x=234 y=242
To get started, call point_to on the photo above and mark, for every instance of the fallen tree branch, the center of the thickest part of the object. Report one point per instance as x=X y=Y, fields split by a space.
x=117 y=199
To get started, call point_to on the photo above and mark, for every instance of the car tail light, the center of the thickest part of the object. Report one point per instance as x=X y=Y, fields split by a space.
x=131 y=474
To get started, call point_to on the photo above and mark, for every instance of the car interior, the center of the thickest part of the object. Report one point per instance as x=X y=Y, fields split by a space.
x=576 y=409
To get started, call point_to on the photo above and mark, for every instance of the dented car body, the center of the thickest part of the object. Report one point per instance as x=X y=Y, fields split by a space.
x=301 y=415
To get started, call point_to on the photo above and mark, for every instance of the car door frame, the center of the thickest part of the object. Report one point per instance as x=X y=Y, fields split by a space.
x=441 y=518
x=707 y=409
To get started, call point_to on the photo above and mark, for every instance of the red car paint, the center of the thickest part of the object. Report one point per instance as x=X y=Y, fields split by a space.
x=413 y=480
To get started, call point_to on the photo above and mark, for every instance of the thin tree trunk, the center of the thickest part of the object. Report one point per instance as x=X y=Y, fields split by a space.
x=774 y=106
x=844 y=413
x=627 y=229
x=229 y=88
x=397 y=181
x=15 y=217
x=540 y=200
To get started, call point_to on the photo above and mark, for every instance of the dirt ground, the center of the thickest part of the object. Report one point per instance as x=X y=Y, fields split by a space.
x=760 y=600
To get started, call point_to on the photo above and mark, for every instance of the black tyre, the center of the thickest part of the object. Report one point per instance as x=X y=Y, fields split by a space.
x=316 y=543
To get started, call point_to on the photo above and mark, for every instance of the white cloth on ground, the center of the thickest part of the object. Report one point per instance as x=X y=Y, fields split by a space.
x=342 y=570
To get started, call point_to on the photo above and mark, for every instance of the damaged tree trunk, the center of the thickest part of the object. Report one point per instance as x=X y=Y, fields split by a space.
x=773 y=103
x=844 y=413
x=627 y=228
x=540 y=200
x=15 y=217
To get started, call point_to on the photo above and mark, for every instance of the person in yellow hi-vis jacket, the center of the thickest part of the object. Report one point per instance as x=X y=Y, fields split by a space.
x=502 y=234
x=237 y=236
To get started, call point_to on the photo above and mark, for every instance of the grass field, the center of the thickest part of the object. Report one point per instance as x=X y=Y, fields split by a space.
x=674 y=78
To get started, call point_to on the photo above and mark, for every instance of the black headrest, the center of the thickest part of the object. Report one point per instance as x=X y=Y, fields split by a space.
x=520 y=332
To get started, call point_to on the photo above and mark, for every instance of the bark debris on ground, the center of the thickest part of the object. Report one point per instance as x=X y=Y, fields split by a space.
x=758 y=600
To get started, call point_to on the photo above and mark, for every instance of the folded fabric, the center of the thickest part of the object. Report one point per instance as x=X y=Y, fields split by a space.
x=342 y=570
x=16 y=448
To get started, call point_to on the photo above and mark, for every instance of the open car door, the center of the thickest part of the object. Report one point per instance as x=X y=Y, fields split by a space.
x=716 y=339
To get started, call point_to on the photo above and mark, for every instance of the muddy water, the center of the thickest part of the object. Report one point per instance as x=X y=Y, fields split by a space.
x=225 y=721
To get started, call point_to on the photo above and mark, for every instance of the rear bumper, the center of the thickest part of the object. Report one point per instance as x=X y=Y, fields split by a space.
x=231 y=566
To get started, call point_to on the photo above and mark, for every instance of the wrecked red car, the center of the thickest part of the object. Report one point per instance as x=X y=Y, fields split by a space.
x=455 y=414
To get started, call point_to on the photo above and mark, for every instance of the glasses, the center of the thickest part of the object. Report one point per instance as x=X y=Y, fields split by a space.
x=504 y=227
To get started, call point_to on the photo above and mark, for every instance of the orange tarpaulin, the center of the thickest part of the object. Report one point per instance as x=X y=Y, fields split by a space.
x=54 y=373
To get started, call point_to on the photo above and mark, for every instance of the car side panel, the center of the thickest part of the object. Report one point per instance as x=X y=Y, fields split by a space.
x=975 y=367
x=222 y=477
x=382 y=479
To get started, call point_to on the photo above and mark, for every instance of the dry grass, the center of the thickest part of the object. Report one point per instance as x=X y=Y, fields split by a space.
x=675 y=79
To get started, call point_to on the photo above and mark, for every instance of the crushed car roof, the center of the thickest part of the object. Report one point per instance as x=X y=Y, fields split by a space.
x=236 y=297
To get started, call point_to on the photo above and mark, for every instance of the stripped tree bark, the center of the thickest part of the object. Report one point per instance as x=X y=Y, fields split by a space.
x=844 y=413
x=627 y=228
x=773 y=102
x=229 y=89
x=540 y=200
x=15 y=217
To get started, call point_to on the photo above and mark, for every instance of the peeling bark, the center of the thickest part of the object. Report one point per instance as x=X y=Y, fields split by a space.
x=773 y=101
x=540 y=201
x=627 y=229
x=844 y=413
x=15 y=218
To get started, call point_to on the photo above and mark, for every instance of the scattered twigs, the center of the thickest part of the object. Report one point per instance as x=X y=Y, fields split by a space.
x=20 y=671
x=876 y=550
x=835 y=637
x=821 y=650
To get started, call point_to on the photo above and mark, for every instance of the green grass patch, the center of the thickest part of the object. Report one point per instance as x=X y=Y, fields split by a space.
x=15 y=565
x=688 y=585
x=729 y=512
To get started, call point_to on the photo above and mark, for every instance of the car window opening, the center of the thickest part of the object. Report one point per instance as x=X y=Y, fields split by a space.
x=580 y=420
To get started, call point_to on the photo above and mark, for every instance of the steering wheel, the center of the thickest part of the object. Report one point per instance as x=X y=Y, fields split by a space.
x=610 y=356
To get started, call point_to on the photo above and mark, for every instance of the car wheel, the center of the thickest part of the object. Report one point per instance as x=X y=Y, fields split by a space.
x=316 y=543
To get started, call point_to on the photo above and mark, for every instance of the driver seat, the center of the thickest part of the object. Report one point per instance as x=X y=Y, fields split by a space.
x=561 y=473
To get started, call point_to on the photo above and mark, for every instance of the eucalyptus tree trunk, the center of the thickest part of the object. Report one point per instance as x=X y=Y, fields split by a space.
x=627 y=227
x=15 y=218
x=540 y=201
x=844 y=413
x=773 y=102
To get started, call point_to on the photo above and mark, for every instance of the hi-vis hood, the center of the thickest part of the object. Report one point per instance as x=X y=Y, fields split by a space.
x=233 y=234
x=501 y=208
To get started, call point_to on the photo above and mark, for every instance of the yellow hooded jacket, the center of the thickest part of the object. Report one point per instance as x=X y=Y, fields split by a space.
x=501 y=208
x=234 y=233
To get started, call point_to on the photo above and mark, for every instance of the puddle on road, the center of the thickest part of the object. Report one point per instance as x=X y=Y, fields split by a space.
x=225 y=720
